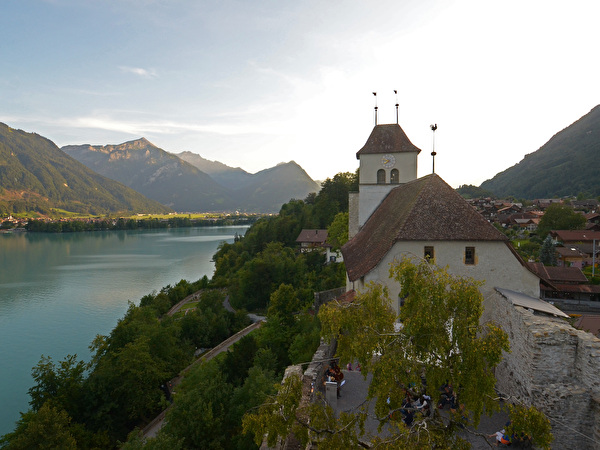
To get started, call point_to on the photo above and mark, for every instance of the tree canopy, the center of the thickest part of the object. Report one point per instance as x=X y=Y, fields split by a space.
x=440 y=343
x=559 y=216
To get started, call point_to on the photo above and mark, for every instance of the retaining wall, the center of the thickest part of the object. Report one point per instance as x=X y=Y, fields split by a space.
x=553 y=367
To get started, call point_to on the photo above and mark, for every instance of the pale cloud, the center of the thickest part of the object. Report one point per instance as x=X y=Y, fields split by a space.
x=166 y=127
x=145 y=73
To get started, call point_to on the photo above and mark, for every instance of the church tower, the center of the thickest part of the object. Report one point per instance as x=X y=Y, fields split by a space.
x=386 y=160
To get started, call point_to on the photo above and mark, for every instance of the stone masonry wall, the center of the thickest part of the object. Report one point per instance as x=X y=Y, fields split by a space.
x=553 y=367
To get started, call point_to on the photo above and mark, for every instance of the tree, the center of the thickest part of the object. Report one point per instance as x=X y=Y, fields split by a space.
x=560 y=217
x=199 y=414
x=48 y=427
x=548 y=253
x=333 y=197
x=285 y=303
x=337 y=233
x=60 y=385
x=440 y=342
x=124 y=387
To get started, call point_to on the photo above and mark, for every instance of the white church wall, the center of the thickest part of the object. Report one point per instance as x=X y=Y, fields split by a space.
x=353 y=202
x=494 y=264
x=370 y=198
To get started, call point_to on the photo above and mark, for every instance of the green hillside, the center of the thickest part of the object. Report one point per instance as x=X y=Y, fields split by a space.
x=270 y=188
x=264 y=191
x=35 y=175
x=568 y=164
x=189 y=183
x=155 y=173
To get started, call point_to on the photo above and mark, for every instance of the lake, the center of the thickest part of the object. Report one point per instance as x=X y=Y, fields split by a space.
x=58 y=291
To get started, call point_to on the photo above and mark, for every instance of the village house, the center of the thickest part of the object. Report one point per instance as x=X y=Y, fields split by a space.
x=543 y=203
x=316 y=240
x=565 y=283
x=576 y=248
x=592 y=221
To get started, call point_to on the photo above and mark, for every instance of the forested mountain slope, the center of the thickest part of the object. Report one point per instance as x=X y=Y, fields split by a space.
x=271 y=188
x=156 y=174
x=568 y=164
x=264 y=191
x=181 y=185
x=35 y=175
x=231 y=177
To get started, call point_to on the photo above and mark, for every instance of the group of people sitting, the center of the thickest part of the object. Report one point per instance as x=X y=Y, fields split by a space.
x=502 y=438
x=413 y=404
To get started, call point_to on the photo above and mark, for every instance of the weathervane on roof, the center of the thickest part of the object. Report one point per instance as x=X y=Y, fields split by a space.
x=375 y=94
x=433 y=153
x=397 y=104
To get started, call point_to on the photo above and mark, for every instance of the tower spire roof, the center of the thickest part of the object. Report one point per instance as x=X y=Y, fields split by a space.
x=389 y=138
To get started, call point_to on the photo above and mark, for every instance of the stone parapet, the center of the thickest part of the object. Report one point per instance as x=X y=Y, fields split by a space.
x=553 y=367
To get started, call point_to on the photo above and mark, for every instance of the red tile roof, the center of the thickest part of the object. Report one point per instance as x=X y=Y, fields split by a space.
x=426 y=209
x=312 y=236
x=589 y=323
x=576 y=235
x=387 y=139
x=347 y=297
x=558 y=274
x=579 y=288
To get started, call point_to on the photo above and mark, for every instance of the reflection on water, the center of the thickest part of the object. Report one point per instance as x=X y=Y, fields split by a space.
x=58 y=291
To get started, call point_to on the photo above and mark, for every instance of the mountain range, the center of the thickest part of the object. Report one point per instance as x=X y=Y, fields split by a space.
x=137 y=176
x=567 y=165
x=35 y=175
x=189 y=183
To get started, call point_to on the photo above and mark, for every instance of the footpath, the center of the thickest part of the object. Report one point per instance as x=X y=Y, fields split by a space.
x=153 y=427
x=354 y=394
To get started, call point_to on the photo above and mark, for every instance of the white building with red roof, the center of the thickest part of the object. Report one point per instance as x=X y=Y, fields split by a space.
x=421 y=218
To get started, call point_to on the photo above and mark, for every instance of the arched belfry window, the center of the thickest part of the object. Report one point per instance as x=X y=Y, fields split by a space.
x=394 y=176
x=381 y=176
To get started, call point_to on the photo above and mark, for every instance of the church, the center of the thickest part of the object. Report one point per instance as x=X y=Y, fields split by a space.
x=395 y=214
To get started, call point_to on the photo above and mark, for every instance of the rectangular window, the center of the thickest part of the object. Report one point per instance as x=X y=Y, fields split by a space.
x=469 y=255
x=428 y=253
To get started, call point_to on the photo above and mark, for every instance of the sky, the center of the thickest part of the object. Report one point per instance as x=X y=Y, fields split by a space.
x=255 y=83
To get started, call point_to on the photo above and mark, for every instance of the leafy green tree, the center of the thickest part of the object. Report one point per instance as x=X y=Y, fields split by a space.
x=306 y=340
x=260 y=276
x=528 y=249
x=559 y=216
x=47 y=428
x=548 y=252
x=60 y=385
x=440 y=341
x=528 y=424
x=200 y=411
x=238 y=360
x=284 y=303
x=337 y=233
x=333 y=198
x=258 y=385
x=125 y=388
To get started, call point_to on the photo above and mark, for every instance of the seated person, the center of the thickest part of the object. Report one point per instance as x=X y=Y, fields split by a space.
x=408 y=413
x=447 y=396
x=501 y=438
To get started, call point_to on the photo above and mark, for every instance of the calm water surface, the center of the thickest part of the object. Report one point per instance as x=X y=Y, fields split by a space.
x=58 y=291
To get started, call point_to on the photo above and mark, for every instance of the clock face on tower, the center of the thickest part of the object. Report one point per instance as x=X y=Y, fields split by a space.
x=388 y=161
